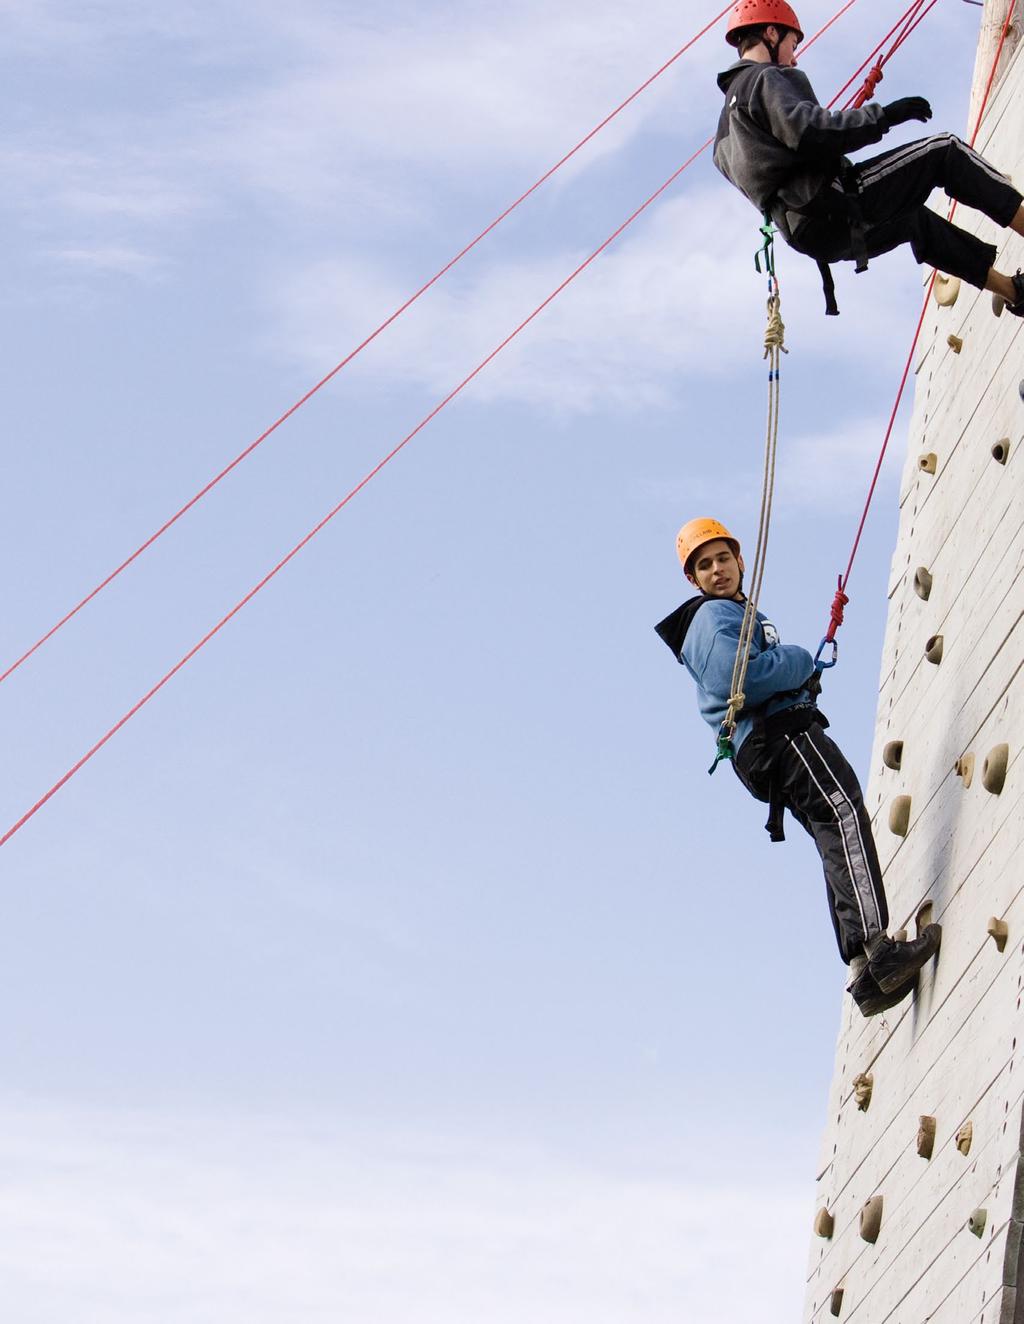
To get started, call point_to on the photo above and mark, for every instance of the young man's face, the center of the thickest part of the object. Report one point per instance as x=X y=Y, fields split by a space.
x=716 y=570
x=786 y=52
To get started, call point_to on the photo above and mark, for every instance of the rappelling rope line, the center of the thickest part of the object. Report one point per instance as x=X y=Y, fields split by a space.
x=907 y=15
x=244 y=454
x=841 y=598
x=915 y=15
x=90 y=753
x=774 y=347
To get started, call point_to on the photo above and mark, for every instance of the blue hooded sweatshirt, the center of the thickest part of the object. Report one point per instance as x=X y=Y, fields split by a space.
x=704 y=634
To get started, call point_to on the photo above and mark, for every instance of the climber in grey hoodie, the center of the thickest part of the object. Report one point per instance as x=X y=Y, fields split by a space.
x=787 y=154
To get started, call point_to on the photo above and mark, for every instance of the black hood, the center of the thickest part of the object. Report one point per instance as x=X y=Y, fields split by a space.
x=726 y=77
x=673 y=629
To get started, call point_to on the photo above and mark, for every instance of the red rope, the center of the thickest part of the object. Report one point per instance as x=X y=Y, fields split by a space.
x=242 y=455
x=900 y=23
x=837 y=620
x=90 y=753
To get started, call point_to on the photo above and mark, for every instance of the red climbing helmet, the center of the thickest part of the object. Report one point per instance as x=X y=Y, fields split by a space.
x=696 y=533
x=752 y=13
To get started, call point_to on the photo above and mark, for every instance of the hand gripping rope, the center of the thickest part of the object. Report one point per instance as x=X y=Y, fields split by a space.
x=774 y=347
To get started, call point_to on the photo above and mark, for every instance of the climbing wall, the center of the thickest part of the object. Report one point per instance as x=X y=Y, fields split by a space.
x=920 y=1193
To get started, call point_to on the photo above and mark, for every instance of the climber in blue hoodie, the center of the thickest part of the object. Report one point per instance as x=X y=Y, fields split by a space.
x=784 y=758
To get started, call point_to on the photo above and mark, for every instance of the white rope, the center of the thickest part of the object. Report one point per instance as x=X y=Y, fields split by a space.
x=774 y=347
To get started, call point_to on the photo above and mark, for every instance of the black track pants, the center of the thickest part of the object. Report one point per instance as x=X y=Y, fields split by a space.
x=891 y=190
x=822 y=792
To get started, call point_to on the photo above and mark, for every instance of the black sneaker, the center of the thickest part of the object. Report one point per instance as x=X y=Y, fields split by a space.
x=869 y=997
x=893 y=963
x=1017 y=306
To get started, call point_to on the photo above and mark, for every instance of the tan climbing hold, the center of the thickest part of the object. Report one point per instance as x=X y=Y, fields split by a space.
x=863 y=1087
x=923 y=917
x=1001 y=450
x=964 y=769
x=998 y=930
x=923 y=582
x=933 y=649
x=965 y=1138
x=926 y=1137
x=955 y=343
x=871 y=1219
x=892 y=755
x=946 y=289
x=899 y=816
x=836 y=1304
x=824 y=1224
x=993 y=771
x=928 y=462
x=977 y=1221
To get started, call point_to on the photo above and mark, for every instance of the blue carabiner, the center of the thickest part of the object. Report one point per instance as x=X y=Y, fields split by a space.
x=819 y=664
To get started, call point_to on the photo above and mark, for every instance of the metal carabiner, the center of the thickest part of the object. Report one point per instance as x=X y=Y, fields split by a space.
x=819 y=664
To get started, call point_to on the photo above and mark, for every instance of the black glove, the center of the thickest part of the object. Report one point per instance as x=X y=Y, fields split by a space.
x=906 y=108
x=813 y=684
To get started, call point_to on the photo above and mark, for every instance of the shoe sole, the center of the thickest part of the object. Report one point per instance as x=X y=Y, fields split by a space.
x=875 y=1004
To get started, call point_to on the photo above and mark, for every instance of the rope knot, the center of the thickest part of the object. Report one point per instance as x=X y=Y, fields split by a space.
x=875 y=76
x=775 y=331
x=838 y=603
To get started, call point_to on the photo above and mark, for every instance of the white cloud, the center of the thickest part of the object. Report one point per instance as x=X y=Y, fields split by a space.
x=673 y=304
x=111 y=258
x=118 y=1218
x=825 y=471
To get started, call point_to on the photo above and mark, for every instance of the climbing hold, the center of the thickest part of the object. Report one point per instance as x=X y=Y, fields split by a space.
x=946 y=289
x=824 y=1224
x=1001 y=451
x=928 y=462
x=964 y=1138
x=892 y=755
x=964 y=769
x=923 y=917
x=977 y=1221
x=933 y=649
x=899 y=815
x=836 y=1303
x=871 y=1219
x=926 y=1137
x=922 y=583
x=993 y=770
x=863 y=1086
x=955 y=343
x=998 y=930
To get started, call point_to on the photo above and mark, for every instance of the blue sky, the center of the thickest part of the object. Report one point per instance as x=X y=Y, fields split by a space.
x=400 y=962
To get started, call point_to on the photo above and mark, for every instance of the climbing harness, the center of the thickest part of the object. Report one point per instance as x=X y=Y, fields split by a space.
x=774 y=347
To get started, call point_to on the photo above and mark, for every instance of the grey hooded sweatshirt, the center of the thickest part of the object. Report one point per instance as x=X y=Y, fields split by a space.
x=781 y=148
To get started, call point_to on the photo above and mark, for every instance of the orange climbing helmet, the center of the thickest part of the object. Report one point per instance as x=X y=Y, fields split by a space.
x=752 y=13
x=692 y=536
